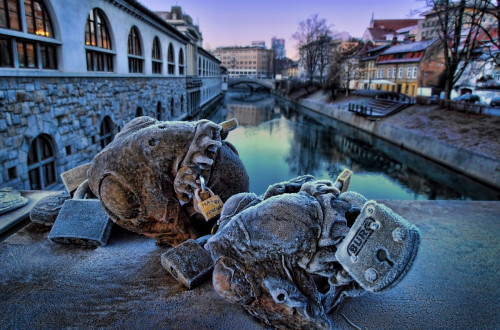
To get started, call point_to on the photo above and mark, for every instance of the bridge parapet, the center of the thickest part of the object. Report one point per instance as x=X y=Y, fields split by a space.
x=266 y=83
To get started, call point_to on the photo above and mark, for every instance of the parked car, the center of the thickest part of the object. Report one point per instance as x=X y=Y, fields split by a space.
x=495 y=102
x=434 y=99
x=469 y=98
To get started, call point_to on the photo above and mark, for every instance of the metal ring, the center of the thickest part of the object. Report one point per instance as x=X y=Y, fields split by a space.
x=203 y=185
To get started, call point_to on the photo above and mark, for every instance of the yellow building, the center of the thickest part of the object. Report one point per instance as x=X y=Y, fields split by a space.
x=406 y=67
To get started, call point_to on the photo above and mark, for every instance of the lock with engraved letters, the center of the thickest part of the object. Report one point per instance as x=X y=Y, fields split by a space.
x=206 y=202
x=379 y=249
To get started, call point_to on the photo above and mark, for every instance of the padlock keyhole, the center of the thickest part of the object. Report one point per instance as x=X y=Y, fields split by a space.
x=383 y=257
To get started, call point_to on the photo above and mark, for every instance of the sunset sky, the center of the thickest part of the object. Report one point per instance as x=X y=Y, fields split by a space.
x=236 y=22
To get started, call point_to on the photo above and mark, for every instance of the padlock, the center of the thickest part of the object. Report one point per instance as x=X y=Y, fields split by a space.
x=379 y=249
x=206 y=202
x=343 y=180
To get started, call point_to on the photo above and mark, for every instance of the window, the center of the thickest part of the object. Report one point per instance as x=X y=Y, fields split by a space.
x=139 y=112
x=9 y=15
x=181 y=61
x=389 y=70
x=6 y=53
x=159 y=111
x=37 y=18
x=199 y=66
x=394 y=72
x=415 y=72
x=156 y=56
x=400 y=73
x=170 y=59
x=41 y=163
x=106 y=133
x=98 y=43
x=31 y=54
x=408 y=73
x=135 y=59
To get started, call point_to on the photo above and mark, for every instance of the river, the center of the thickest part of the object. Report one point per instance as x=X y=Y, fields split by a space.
x=278 y=141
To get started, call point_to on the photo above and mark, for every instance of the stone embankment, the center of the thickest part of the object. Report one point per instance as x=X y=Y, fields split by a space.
x=470 y=145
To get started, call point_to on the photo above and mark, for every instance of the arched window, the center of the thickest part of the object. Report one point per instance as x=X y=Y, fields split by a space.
x=199 y=66
x=181 y=62
x=156 y=56
x=139 y=112
x=29 y=53
x=171 y=59
x=41 y=163
x=159 y=111
x=98 y=43
x=37 y=18
x=135 y=59
x=106 y=133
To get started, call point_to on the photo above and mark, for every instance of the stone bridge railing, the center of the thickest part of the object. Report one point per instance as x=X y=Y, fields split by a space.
x=266 y=83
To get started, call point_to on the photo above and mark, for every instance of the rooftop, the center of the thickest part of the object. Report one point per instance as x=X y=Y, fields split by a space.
x=409 y=47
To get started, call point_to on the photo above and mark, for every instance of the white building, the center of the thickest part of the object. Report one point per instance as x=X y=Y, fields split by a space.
x=73 y=72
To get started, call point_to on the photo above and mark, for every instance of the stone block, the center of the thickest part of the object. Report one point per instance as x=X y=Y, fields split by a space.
x=30 y=87
x=47 y=209
x=188 y=263
x=10 y=200
x=74 y=177
x=11 y=96
x=81 y=222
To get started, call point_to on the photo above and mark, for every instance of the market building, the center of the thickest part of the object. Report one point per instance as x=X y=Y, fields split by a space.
x=73 y=75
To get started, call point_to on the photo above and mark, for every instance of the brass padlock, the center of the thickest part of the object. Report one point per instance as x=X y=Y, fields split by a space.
x=206 y=202
x=343 y=180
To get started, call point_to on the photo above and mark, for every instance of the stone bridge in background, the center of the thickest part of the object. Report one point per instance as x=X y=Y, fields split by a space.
x=252 y=83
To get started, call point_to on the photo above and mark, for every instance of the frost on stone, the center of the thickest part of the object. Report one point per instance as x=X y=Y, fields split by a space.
x=146 y=177
x=276 y=254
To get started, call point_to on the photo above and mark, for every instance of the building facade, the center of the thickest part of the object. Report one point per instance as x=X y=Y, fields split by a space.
x=406 y=68
x=254 y=62
x=430 y=27
x=73 y=72
x=278 y=45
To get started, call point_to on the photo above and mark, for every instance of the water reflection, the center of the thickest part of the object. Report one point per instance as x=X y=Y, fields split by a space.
x=278 y=141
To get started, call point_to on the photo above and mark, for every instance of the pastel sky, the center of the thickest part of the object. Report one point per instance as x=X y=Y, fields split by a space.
x=236 y=22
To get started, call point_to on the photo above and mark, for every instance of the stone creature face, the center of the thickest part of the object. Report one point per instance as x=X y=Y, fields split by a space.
x=151 y=166
x=276 y=256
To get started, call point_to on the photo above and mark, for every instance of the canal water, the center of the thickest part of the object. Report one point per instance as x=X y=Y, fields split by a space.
x=278 y=141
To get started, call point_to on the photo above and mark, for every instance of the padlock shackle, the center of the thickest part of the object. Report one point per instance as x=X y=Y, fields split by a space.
x=203 y=184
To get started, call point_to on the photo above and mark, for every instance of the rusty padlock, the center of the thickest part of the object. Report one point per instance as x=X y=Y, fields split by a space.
x=206 y=202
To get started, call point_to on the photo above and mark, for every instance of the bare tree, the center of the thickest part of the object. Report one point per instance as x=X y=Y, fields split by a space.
x=461 y=33
x=345 y=65
x=325 y=55
x=311 y=36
